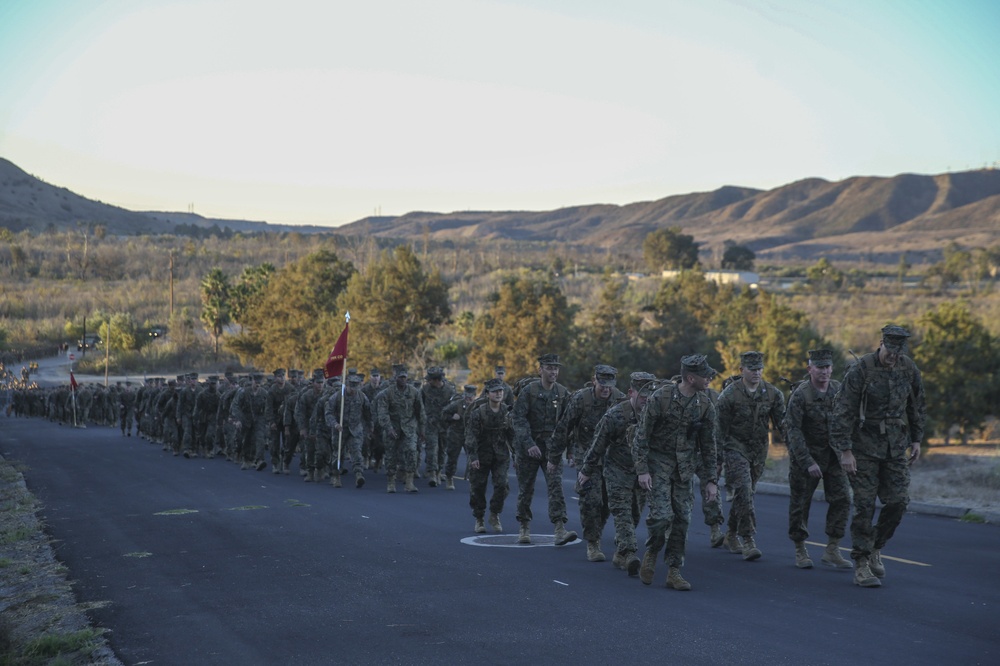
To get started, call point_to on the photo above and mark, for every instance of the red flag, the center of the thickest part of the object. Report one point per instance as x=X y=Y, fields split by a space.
x=72 y=381
x=335 y=361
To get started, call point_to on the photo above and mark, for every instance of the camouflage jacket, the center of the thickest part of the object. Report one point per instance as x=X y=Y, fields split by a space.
x=535 y=415
x=402 y=411
x=455 y=430
x=435 y=399
x=612 y=442
x=357 y=414
x=679 y=430
x=744 y=418
x=807 y=423
x=576 y=426
x=489 y=432
x=248 y=407
x=206 y=406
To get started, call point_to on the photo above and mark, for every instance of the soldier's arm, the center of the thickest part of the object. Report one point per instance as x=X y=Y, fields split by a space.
x=559 y=440
x=916 y=407
x=593 y=460
x=708 y=446
x=798 y=451
x=846 y=408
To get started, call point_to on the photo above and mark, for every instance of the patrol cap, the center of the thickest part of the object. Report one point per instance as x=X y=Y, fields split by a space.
x=469 y=390
x=193 y=376
x=375 y=373
x=821 y=358
x=500 y=368
x=333 y=381
x=280 y=372
x=257 y=377
x=435 y=372
x=212 y=379
x=354 y=379
x=650 y=387
x=697 y=364
x=894 y=337
x=752 y=360
x=605 y=374
x=352 y=371
x=172 y=382
x=318 y=372
x=399 y=370
x=549 y=359
x=639 y=379
x=495 y=384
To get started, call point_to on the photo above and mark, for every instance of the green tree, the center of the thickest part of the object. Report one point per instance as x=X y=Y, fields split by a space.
x=123 y=333
x=528 y=316
x=669 y=249
x=681 y=315
x=215 y=304
x=824 y=276
x=248 y=290
x=396 y=308
x=959 y=360
x=296 y=320
x=738 y=258
x=612 y=332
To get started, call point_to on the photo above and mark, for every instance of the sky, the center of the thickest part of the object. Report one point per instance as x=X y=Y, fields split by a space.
x=328 y=111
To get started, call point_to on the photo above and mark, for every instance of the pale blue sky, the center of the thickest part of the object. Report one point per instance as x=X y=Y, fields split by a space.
x=312 y=111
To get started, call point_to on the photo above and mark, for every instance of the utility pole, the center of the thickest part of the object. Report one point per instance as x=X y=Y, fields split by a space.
x=83 y=340
x=107 y=354
x=171 y=283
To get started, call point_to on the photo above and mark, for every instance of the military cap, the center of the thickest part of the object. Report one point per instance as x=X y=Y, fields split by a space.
x=605 y=374
x=318 y=372
x=470 y=390
x=500 y=368
x=821 y=358
x=494 y=384
x=128 y=383
x=435 y=372
x=333 y=381
x=317 y=379
x=752 y=360
x=212 y=379
x=375 y=373
x=229 y=374
x=172 y=382
x=639 y=379
x=353 y=379
x=894 y=337
x=280 y=372
x=257 y=377
x=697 y=364
x=399 y=370
x=193 y=375
x=650 y=387
x=352 y=371
x=549 y=359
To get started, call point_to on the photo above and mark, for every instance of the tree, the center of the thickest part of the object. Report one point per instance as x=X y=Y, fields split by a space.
x=824 y=276
x=396 y=307
x=215 y=302
x=669 y=249
x=738 y=258
x=528 y=316
x=247 y=292
x=960 y=361
x=295 y=320
x=123 y=334
x=681 y=315
x=612 y=332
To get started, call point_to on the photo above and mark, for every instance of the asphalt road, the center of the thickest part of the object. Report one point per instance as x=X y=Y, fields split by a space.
x=196 y=562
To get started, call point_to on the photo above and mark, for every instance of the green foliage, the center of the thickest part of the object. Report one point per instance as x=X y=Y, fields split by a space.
x=738 y=258
x=528 y=316
x=824 y=276
x=120 y=333
x=669 y=249
x=248 y=291
x=396 y=308
x=612 y=333
x=960 y=363
x=216 y=304
x=681 y=314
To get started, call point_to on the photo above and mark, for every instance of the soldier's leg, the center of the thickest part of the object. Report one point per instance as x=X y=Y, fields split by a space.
x=740 y=512
x=501 y=486
x=554 y=490
x=592 y=507
x=478 y=479
x=291 y=443
x=681 y=503
x=660 y=511
x=431 y=451
x=837 y=490
x=864 y=484
x=893 y=490
x=408 y=450
x=274 y=446
x=527 y=472
x=454 y=450
x=621 y=502
x=801 y=488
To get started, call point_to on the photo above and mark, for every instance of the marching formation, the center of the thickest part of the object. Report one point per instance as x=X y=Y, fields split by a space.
x=635 y=452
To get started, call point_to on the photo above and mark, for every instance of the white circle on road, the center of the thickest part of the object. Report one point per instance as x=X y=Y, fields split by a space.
x=510 y=541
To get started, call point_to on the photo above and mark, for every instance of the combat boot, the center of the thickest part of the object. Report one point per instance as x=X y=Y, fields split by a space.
x=875 y=563
x=863 y=575
x=732 y=542
x=390 y=486
x=632 y=565
x=750 y=550
x=480 y=526
x=432 y=479
x=675 y=581
x=359 y=479
x=524 y=535
x=648 y=567
x=802 y=560
x=275 y=469
x=562 y=536
x=832 y=556
x=408 y=481
x=451 y=483
x=716 y=538
x=335 y=480
x=495 y=523
x=618 y=560
x=594 y=553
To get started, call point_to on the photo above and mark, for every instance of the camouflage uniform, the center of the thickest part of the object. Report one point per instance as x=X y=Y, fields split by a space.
x=487 y=440
x=675 y=438
x=878 y=413
x=304 y=406
x=248 y=413
x=274 y=414
x=435 y=398
x=357 y=420
x=206 y=409
x=126 y=410
x=402 y=419
x=373 y=448
x=186 y=398
x=455 y=429
x=166 y=411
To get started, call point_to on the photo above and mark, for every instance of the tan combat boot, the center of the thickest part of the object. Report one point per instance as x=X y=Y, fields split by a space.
x=675 y=581
x=618 y=560
x=717 y=537
x=875 y=563
x=863 y=575
x=432 y=479
x=524 y=535
x=335 y=479
x=632 y=564
x=359 y=479
x=750 y=550
x=390 y=485
x=409 y=487
x=495 y=523
x=480 y=527
x=648 y=567
x=451 y=483
x=832 y=556
x=732 y=542
x=802 y=560
x=594 y=553
x=309 y=477
x=562 y=536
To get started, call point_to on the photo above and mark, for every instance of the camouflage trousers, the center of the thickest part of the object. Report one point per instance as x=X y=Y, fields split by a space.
x=291 y=442
x=453 y=449
x=670 y=503
x=170 y=435
x=186 y=434
x=626 y=501
x=744 y=476
x=275 y=435
x=401 y=453
x=252 y=440
x=527 y=471
x=889 y=481
x=711 y=509
x=489 y=466
x=350 y=447
x=594 y=509
x=433 y=449
x=836 y=489
x=126 y=418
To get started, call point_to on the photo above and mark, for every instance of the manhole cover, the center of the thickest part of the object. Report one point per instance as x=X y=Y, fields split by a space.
x=510 y=541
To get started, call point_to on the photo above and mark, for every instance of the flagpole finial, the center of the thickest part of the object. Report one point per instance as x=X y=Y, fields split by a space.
x=347 y=317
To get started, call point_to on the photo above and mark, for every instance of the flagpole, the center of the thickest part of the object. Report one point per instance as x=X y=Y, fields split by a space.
x=343 y=397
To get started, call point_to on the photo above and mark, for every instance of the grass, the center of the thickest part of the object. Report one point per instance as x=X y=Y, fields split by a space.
x=50 y=646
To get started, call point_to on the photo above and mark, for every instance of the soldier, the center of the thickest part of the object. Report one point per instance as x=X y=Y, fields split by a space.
x=126 y=409
x=675 y=438
x=374 y=448
x=536 y=412
x=746 y=407
x=186 y=398
x=274 y=414
x=455 y=416
x=225 y=418
x=166 y=410
x=811 y=458
x=574 y=434
x=206 y=408
x=500 y=372
x=304 y=407
x=322 y=433
x=436 y=393
x=487 y=444
x=348 y=433
x=878 y=415
x=401 y=417
x=290 y=433
x=248 y=413
x=610 y=458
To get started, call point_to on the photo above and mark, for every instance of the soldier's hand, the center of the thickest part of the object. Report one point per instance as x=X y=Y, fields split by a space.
x=581 y=478
x=550 y=467
x=535 y=452
x=914 y=451
x=646 y=481
x=711 y=490
x=848 y=463
x=570 y=461
x=814 y=471
x=456 y=417
x=238 y=424
x=474 y=464
x=337 y=427
x=392 y=434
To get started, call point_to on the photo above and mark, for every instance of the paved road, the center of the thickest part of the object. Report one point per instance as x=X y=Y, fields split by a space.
x=200 y=563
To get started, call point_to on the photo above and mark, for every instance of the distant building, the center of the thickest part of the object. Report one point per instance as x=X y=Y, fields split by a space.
x=748 y=278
